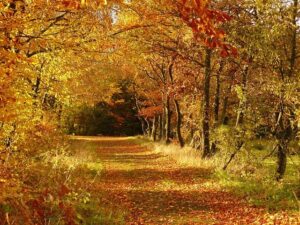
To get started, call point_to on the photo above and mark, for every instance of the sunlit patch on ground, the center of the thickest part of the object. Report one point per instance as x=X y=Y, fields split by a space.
x=100 y=138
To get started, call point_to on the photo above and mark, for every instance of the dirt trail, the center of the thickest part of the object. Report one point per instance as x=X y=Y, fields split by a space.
x=153 y=189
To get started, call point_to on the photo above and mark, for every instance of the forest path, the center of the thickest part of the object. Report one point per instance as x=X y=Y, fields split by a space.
x=150 y=188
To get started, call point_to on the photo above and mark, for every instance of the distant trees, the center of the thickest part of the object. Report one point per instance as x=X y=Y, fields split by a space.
x=117 y=117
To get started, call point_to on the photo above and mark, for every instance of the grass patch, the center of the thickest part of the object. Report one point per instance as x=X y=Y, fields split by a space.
x=92 y=214
x=267 y=193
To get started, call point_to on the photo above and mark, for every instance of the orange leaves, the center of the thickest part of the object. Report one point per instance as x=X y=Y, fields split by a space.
x=205 y=24
x=78 y=4
x=150 y=111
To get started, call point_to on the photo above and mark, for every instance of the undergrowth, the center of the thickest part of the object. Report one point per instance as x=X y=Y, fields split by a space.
x=54 y=188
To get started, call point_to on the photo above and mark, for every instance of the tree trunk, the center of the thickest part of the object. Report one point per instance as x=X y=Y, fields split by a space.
x=206 y=102
x=179 y=122
x=148 y=129
x=160 y=128
x=217 y=104
x=154 y=128
x=168 y=121
x=242 y=104
x=217 y=94
x=224 y=117
x=282 y=158
x=36 y=87
x=163 y=121
x=143 y=125
x=139 y=117
x=238 y=147
x=192 y=132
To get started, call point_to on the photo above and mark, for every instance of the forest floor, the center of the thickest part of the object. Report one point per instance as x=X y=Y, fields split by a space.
x=140 y=186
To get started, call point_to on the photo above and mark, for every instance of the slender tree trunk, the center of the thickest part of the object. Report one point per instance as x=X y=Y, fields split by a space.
x=238 y=147
x=206 y=102
x=168 y=121
x=160 y=123
x=36 y=87
x=281 y=160
x=224 y=118
x=179 y=122
x=142 y=121
x=217 y=94
x=168 y=125
x=217 y=104
x=143 y=125
x=242 y=104
x=283 y=133
x=148 y=129
x=154 y=128
x=163 y=120
x=192 y=132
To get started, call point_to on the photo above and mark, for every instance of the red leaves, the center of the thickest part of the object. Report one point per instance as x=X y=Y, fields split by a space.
x=50 y=203
x=228 y=50
x=64 y=190
x=71 y=4
x=204 y=23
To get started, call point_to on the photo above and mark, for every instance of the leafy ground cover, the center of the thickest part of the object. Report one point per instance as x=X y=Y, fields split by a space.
x=139 y=185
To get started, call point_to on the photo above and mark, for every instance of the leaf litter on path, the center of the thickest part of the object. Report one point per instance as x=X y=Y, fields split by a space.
x=153 y=189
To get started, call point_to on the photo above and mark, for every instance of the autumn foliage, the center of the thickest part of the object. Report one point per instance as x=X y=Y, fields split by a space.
x=219 y=77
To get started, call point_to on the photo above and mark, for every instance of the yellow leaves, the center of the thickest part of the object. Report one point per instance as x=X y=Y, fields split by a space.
x=3 y=180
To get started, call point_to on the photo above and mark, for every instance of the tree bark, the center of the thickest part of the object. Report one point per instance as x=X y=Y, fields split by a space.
x=163 y=119
x=154 y=128
x=217 y=104
x=179 y=122
x=160 y=128
x=242 y=104
x=168 y=120
x=148 y=129
x=206 y=102
x=281 y=160
x=224 y=118
x=217 y=94
x=139 y=117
